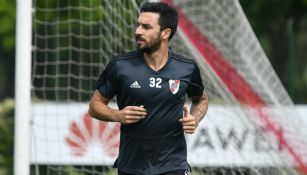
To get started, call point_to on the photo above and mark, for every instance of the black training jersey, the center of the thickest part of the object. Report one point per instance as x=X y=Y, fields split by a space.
x=155 y=144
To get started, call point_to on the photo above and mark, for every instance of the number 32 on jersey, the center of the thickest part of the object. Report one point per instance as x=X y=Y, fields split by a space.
x=155 y=82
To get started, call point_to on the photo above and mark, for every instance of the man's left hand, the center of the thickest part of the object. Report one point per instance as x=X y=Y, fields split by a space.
x=189 y=122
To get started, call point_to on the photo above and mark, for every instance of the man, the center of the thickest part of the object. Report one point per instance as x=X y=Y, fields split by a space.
x=150 y=86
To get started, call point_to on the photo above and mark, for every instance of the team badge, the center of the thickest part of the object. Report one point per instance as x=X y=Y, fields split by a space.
x=174 y=85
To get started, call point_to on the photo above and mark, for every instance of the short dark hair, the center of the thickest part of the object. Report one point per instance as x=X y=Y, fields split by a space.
x=168 y=15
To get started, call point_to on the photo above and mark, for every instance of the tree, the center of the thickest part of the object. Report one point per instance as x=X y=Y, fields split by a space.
x=279 y=25
x=6 y=136
x=7 y=47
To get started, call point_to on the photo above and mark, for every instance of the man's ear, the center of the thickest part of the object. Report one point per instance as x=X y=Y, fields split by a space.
x=166 y=33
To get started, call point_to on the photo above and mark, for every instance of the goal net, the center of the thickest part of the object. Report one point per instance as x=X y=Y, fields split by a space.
x=251 y=126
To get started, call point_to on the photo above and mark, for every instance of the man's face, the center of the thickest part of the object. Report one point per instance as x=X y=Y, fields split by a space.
x=147 y=32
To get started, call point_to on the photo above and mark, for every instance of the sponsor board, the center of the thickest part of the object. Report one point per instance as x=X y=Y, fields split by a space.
x=66 y=134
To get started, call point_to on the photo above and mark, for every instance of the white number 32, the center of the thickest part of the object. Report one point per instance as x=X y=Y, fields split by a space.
x=155 y=82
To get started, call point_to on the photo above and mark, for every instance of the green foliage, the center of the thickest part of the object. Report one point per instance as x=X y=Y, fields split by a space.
x=7 y=45
x=284 y=44
x=71 y=170
x=70 y=35
x=6 y=136
x=7 y=23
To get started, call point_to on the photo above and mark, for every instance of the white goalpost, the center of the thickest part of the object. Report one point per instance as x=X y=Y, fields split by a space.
x=251 y=127
x=23 y=87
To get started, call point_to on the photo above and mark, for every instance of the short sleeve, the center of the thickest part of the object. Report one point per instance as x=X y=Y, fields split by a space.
x=107 y=83
x=195 y=86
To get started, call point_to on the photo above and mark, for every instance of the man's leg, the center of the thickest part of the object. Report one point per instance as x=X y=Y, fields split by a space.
x=168 y=173
x=177 y=173
x=123 y=173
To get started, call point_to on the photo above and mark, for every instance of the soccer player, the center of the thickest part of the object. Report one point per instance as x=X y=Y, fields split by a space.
x=151 y=85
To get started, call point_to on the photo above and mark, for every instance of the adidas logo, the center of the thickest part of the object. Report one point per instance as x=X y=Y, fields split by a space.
x=135 y=85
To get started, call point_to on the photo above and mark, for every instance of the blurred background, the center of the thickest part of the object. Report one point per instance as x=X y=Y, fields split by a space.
x=280 y=26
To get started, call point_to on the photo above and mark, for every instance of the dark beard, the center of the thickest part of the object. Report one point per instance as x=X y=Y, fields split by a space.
x=152 y=49
x=149 y=49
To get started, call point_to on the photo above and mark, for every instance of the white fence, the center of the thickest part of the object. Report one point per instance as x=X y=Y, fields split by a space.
x=65 y=134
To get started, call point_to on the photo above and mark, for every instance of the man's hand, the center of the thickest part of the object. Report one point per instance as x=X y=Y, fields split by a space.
x=100 y=110
x=131 y=114
x=189 y=122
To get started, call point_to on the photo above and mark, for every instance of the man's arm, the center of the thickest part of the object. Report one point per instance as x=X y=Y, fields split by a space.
x=199 y=109
x=99 y=109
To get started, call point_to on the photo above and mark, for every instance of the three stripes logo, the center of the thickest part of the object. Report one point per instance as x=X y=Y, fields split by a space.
x=135 y=85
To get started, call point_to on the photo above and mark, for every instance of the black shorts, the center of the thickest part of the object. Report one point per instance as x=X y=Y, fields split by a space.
x=167 y=173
